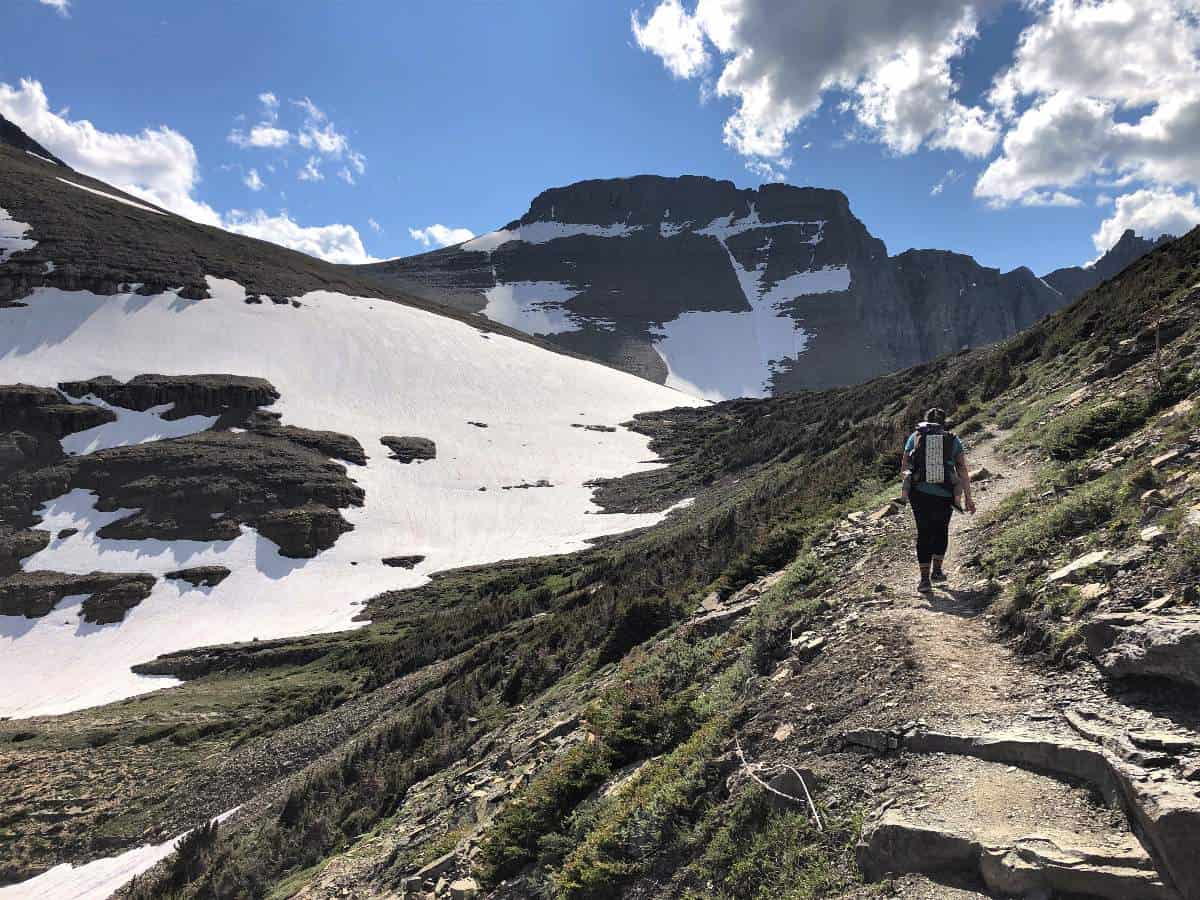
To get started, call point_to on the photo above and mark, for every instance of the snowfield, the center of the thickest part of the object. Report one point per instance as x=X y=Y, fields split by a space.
x=98 y=879
x=722 y=355
x=358 y=366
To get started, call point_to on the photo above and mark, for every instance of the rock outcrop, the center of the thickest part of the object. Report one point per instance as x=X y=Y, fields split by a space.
x=1128 y=644
x=1075 y=281
x=188 y=395
x=409 y=449
x=200 y=576
x=111 y=595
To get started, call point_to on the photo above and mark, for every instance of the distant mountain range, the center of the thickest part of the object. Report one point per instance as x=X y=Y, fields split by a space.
x=726 y=292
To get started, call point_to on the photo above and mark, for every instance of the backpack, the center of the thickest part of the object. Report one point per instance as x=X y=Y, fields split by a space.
x=932 y=458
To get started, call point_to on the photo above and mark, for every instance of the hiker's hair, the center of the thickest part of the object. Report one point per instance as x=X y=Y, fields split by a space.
x=937 y=414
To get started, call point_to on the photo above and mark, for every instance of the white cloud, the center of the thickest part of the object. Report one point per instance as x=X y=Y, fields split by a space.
x=951 y=176
x=440 y=235
x=1050 y=198
x=333 y=243
x=1099 y=92
x=890 y=65
x=1149 y=212
x=253 y=181
x=270 y=104
x=674 y=36
x=375 y=226
x=158 y=164
x=62 y=7
x=316 y=134
x=311 y=170
x=260 y=136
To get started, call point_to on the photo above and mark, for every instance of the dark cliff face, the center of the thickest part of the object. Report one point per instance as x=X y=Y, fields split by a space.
x=719 y=290
x=1075 y=281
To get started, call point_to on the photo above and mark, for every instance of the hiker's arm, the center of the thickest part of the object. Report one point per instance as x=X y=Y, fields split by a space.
x=964 y=478
x=905 y=461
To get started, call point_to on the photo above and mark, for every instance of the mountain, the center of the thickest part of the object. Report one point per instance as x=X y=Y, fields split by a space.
x=199 y=432
x=343 y=571
x=722 y=292
x=1074 y=281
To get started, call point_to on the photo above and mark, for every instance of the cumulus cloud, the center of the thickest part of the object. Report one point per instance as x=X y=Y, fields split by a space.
x=1149 y=212
x=62 y=7
x=260 y=136
x=1100 y=91
x=158 y=164
x=375 y=226
x=334 y=243
x=673 y=36
x=440 y=235
x=890 y=63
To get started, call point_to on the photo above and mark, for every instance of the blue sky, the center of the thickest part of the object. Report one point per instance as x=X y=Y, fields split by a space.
x=458 y=114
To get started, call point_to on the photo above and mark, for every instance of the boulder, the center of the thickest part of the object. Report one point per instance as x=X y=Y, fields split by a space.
x=1153 y=534
x=1136 y=644
x=404 y=562
x=303 y=532
x=409 y=449
x=200 y=576
x=464 y=889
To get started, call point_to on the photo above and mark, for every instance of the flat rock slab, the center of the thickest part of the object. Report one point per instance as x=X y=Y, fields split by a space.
x=1125 y=644
x=1165 y=809
x=1019 y=832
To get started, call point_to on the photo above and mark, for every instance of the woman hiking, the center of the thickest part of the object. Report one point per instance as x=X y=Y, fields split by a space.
x=934 y=468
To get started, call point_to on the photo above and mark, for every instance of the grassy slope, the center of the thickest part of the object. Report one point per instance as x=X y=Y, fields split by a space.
x=775 y=474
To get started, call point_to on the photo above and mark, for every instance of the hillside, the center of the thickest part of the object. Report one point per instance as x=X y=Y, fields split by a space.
x=725 y=292
x=598 y=723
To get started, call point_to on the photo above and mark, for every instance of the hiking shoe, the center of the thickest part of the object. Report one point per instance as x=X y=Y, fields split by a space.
x=924 y=586
x=938 y=576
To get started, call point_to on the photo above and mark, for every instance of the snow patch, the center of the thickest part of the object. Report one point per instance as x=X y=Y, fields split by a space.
x=725 y=227
x=100 y=878
x=12 y=236
x=535 y=307
x=90 y=190
x=541 y=232
x=42 y=158
x=720 y=355
x=131 y=427
x=384 y=368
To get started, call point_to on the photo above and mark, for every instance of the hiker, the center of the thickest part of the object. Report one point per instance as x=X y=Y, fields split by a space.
x=934 y=469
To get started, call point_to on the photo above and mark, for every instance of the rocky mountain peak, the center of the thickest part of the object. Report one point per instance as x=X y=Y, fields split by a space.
x=721 y=291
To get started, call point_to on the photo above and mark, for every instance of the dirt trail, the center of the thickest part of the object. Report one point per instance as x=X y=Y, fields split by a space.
x=971 y=682
x=968 y=678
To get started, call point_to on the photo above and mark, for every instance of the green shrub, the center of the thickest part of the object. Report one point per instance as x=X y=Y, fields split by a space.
x=1040 y=533
x=539 y=809
x=754 y=850
x=1090 y=428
